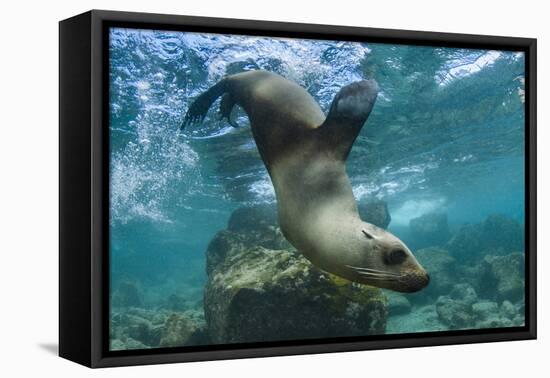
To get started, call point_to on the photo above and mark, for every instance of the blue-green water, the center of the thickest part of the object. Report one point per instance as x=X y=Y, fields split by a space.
x=446 y=136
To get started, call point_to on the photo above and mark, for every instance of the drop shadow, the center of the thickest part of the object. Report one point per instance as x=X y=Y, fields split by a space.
x=51 y=348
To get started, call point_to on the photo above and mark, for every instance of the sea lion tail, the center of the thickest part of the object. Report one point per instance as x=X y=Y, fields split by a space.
x=198 y=109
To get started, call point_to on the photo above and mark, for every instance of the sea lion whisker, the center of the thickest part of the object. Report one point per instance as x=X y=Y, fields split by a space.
x=379 y=278
x=378 y=274
x=367 y=274
x=360 y=269
x=363 y=268
x=378 y=271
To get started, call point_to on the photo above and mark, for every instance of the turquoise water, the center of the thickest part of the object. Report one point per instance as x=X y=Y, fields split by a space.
x=446 y=136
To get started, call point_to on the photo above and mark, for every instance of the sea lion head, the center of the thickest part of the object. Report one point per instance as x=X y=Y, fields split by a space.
x=379 y=258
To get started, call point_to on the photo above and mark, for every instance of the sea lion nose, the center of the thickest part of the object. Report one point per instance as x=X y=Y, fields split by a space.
x=415 y=281
x=422 y=279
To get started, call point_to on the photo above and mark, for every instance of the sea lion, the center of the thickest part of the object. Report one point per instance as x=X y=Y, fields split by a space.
x=305 y=154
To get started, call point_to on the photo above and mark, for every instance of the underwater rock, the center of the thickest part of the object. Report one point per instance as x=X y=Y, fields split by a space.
x=502 y=234
x=133 y=324
x=466 y=243
x=177 y=331
x=456 y=314
x=144 y=331
x=485 y=310
x=464 y=292
x=421 y=319
x=502 y=277
x=518 y=321
x=133 y=344
x=117 y=344
x=223 y=243
x=494 y=322
x=456 y=309
x=375 y=212
x=124 y=329
x=257 y=294
x=508 y=310
x=227 y=243
x=496 y=235
x=149 y=328
x=398 y=304
x=490 y=315
x=440 y=265
x=200 y=337
x=429 y=230
x=461 y=309
x=126 y=294
x=247 y=227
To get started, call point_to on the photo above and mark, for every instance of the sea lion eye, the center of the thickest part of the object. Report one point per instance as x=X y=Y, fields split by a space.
x=395 y=256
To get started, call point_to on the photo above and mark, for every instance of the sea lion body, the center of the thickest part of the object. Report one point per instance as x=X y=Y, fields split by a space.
x=279 y=111
x=305 y=154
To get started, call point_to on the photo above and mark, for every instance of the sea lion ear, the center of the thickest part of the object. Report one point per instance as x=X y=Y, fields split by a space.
x=348 y=112
x=368 y=235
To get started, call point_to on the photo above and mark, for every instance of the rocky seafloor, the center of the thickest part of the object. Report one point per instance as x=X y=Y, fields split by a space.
x=259 y=288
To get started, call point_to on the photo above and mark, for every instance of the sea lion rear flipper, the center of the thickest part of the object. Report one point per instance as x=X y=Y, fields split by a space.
x=349 y=111
x=197 y=111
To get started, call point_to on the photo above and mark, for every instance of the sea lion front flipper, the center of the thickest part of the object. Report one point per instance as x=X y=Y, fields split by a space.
x=226 y=106
x=349 y=111
x=198 y=109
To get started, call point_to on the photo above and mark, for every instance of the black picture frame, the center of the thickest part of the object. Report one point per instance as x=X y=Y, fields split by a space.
x=84 y=191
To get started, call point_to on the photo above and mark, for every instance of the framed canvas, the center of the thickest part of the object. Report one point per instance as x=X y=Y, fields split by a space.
x=234 y=188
